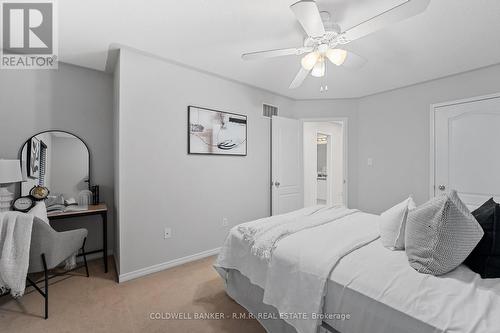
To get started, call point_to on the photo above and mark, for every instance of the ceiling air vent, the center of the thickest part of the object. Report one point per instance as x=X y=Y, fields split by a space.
x=269 y=110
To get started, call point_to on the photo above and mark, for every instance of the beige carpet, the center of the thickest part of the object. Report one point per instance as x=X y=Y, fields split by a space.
x=99 y=304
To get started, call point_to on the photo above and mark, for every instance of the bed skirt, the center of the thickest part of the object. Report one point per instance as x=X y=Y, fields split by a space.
x=248 y=295
x=366 y=314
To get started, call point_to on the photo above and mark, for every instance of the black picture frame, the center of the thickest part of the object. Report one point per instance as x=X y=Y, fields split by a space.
x=189 y=150
x=33 y=158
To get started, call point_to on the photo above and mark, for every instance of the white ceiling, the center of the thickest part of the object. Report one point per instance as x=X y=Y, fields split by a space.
x=452 y=36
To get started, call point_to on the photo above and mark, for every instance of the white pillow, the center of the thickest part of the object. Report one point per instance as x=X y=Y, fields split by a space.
x=392 y=224
x=441 y=234
x=40 y=211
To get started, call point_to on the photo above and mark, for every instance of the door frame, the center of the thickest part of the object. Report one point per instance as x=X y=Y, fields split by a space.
x=345 y=136
x=434 y=108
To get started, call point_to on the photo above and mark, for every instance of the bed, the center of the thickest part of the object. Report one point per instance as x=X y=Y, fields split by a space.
x=366 y=287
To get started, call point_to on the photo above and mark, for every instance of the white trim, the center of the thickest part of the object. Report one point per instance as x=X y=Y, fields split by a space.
x=345 y=130
x=432 y=169
x=433 y=109
x=169 y=264
x=466 y=100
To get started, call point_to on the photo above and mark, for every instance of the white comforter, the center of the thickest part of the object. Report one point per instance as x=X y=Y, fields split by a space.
x=265 y=242
x=296 y=274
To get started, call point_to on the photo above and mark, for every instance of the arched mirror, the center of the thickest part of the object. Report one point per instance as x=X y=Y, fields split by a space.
x=57 y=160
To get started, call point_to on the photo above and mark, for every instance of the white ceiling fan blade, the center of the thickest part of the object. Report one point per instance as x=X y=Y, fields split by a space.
x=275 y=53
x=299 y=78
x=353 y=61
x=406 y=9
x=307 y=13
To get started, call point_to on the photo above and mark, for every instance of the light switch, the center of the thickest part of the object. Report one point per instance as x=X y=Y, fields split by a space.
x=370 y=161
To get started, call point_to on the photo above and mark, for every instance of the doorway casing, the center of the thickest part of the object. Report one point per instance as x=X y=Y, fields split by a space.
x=345 y=129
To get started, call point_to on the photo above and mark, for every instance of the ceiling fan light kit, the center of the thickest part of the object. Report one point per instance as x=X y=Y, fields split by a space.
x=319 y=68
x=309 y=60
x=336 y=56
x=324 y=37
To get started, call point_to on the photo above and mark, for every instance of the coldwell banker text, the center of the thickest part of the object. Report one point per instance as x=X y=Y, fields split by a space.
x=29 y=39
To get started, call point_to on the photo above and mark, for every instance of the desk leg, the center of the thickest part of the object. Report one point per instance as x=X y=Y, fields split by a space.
x=105 y=239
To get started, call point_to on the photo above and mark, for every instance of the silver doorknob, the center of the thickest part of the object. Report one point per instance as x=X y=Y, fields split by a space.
x=442 y=187
x=277 y=184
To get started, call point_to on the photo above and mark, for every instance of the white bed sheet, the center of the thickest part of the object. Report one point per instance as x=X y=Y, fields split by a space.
x=459 y=301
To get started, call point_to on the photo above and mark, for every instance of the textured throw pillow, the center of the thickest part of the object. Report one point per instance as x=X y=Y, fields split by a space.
x=40 y=211
x=392 y=225
x=440 y=234
x=485 y=259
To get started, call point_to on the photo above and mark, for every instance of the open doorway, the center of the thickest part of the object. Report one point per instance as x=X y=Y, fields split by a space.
x=325 y=162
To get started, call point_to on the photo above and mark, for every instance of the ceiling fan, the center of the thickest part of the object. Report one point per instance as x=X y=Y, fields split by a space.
x=323 y=40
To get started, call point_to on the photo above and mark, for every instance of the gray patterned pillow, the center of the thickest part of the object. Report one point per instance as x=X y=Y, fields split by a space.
x=440 y=234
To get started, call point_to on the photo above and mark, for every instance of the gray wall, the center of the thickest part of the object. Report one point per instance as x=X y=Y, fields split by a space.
x=161 y=185
x=394 y=130
x=321 y=157
x=73 y=99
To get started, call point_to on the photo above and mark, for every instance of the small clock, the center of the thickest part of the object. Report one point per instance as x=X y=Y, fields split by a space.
x=23 y=204
x=39 y=192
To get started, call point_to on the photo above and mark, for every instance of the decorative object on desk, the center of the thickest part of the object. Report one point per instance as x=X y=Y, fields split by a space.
x=23 y=204
x=54 y=200
x=39 y=192
x=213 y=132
x=85 y=198
x=95 y=194
x=33 y=158
x=10 y=172
x=59 y=204
x=64 y=163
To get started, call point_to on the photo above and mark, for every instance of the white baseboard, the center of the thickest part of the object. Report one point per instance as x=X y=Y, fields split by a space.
x=169 y=264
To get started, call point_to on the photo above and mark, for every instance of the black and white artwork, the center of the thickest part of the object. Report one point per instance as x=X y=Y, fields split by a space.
x=33 y=158
x=216 y=133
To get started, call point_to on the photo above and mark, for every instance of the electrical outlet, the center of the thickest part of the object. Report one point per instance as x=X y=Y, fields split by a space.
x=225 y=223
x=167 y=233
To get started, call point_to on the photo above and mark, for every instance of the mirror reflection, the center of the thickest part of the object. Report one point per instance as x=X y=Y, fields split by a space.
x=56 y=160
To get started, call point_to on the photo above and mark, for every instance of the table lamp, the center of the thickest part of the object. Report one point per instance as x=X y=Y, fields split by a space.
x=10 y=172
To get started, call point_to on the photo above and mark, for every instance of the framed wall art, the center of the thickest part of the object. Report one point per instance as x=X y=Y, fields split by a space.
x=33 y=159
x=212 y=132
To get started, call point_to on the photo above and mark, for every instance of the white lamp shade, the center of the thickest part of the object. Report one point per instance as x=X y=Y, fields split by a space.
x=10 y=171
x=336 y=56
x=319 y=69
x=309 y=60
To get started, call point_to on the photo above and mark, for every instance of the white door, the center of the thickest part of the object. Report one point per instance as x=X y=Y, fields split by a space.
x=286 y=165
x=467 y=143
